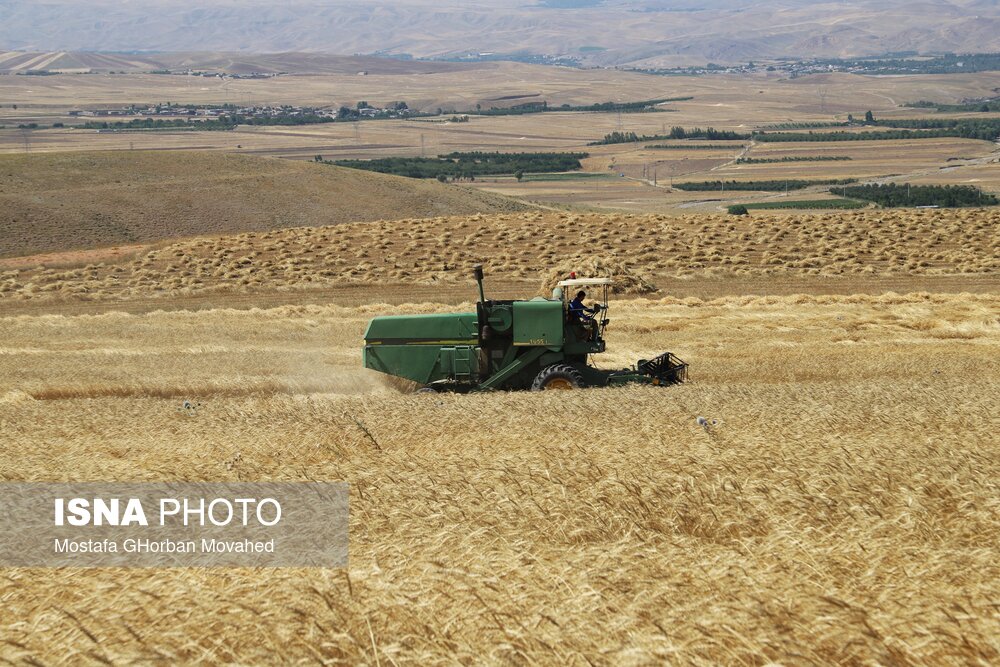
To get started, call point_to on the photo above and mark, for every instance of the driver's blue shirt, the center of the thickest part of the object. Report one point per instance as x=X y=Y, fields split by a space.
x=578 y=311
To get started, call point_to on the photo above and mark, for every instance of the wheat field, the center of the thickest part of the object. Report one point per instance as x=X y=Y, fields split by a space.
x=840 y=508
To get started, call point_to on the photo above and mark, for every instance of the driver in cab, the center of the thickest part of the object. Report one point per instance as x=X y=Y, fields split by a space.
x=579 y=313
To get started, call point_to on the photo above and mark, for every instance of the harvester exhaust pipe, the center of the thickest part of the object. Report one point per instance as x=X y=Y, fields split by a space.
x=477 y=271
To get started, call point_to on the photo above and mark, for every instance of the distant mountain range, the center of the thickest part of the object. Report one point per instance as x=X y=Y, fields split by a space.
x=647 y=33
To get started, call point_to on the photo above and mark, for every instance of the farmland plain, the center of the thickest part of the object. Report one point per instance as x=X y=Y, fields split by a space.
x=639 y=177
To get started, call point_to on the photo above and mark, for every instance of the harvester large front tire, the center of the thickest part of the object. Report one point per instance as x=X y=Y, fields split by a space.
x=558 y=376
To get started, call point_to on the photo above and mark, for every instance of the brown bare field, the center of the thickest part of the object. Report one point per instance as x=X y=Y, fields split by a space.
x=836 y=248
x=842 y=510
x=63 y=201
x=868 y=159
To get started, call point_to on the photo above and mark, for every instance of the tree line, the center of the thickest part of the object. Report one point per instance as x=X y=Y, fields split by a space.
x=700 y=147
x=987 y=129
x=710 y=133
x=759 y=186
x=220 y=123
x=895 y=195
x=542 y=107
x=983 y=106
x=797 y=158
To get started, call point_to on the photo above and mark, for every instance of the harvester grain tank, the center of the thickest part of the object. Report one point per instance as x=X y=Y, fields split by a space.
x=509 y=344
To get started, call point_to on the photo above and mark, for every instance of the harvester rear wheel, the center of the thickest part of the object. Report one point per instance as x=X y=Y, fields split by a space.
x=557 y=376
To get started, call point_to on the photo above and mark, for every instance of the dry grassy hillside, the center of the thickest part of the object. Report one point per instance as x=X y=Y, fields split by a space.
x=526 y=247
x=842 y=510
x=232 y=63
x=68 y=201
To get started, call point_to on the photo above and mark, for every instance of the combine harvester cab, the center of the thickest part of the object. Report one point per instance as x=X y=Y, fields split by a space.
x=535 y=344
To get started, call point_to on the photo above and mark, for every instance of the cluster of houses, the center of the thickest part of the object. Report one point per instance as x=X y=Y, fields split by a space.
x=220 y=75
x=795 y=68
x=396 y=110
x=164 y=111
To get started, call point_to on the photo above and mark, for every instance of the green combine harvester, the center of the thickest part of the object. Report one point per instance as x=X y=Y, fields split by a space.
x=536 y=344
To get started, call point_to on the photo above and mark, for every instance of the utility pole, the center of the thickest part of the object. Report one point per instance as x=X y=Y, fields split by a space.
x=421 y=144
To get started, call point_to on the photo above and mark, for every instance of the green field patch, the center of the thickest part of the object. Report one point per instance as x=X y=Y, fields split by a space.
x=468 y=165
x=573 y=176
x=807 y=204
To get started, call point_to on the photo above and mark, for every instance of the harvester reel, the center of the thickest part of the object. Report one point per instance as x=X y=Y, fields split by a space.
x=558 y=376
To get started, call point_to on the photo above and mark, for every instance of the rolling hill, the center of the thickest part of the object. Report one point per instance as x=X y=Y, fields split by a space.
x=19 y=62
x=68 y=201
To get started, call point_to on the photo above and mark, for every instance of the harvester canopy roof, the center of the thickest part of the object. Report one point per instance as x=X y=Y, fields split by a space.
x=580 y=282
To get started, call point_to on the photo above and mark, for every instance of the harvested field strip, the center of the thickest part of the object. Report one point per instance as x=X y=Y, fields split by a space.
x=439 y=252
